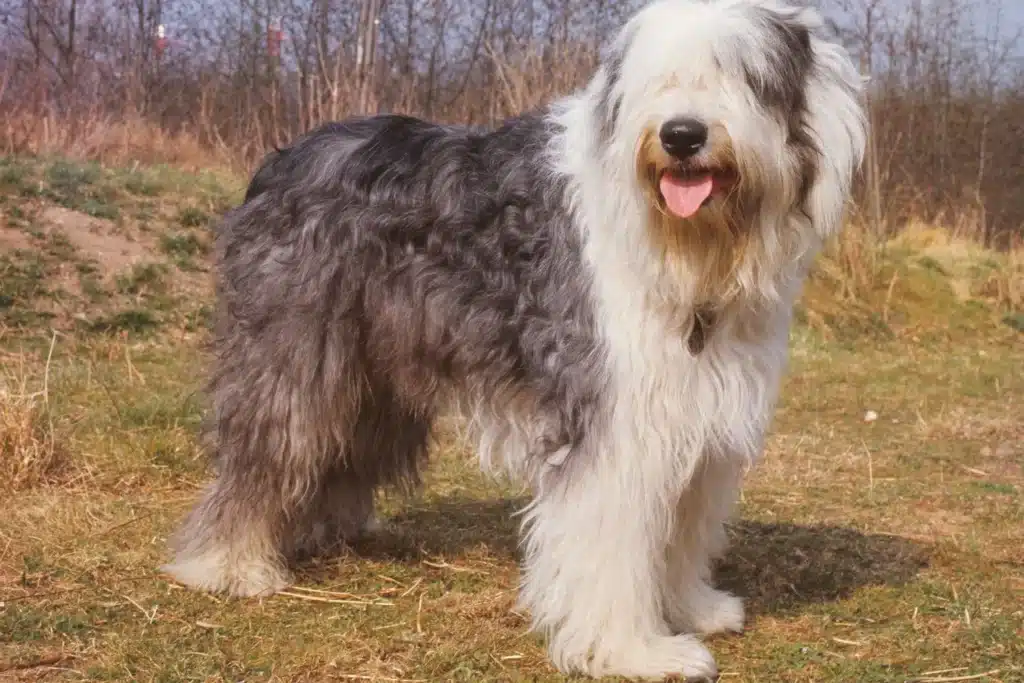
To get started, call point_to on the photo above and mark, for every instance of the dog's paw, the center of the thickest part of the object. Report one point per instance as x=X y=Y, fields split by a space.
x=723 y=613
x=215 y=573
x=707 y=611
x=657 y=658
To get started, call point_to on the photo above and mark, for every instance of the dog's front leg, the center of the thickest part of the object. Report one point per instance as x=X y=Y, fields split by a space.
x=595 y=560
x=692 y=604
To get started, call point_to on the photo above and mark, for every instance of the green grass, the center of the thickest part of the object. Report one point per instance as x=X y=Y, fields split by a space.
x=191 y=217
x=15 y=175
x=57 y=283
x=22 y=277
x=1015 y=321
x=143 y=280
x=78 y=186
x=183 y=248
x=867 y=552
x=139 y=321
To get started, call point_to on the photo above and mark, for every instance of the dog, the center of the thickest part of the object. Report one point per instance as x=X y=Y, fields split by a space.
x=602 y=288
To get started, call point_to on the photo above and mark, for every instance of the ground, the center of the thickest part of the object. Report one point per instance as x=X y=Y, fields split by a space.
x=880 y=540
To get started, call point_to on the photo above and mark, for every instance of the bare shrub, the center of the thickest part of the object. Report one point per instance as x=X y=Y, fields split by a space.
x=222 y=86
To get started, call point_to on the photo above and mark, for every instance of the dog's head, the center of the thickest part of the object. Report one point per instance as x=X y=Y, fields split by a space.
x=733 y=110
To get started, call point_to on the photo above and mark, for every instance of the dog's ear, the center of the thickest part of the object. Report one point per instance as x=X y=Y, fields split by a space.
x=778 y=74
x=609 y=99
x=609 y=102
x=836 y=124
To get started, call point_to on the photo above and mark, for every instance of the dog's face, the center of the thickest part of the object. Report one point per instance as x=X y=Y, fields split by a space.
x=734 y=108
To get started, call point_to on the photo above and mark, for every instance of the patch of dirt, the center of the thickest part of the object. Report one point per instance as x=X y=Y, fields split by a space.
x=97 y=240
x=12 y=238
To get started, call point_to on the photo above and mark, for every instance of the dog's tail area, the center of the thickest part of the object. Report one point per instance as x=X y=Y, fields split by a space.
x=265 y=173
x=318 y=156
x=307 y=153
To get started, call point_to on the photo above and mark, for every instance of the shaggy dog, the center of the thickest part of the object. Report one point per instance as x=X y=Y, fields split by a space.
x=604 y=289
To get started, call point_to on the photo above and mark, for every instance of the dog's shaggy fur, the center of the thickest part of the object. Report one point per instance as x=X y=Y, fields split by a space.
x=619 y=353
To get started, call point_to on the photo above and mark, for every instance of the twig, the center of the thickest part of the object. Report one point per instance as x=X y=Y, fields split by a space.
x=387 y=626
x=342 y=596
x=46 y=391
x=79 y=589
x=888 y=298
x=109 y=529
x=46 y=660
x=150 y=617
x=843 y=641
x=208 y=625
x=334 y=601
x=357 y=677
x=419 y=613
x=454 y=568
x=949 y=679
x=871 y=468
x=46 y=370
x=415 y=583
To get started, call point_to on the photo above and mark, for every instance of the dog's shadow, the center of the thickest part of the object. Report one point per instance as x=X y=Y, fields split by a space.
x=780 y=566
x=776 y=566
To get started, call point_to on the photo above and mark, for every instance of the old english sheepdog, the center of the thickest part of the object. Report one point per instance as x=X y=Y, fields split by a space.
x=603 y=289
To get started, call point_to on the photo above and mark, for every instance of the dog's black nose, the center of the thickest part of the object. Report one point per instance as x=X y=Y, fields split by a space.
x=683 y=137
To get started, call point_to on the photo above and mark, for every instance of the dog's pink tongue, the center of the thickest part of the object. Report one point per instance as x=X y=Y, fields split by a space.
x=684 y=196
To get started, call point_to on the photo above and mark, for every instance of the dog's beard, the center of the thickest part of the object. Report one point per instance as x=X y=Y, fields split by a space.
x=700 y=217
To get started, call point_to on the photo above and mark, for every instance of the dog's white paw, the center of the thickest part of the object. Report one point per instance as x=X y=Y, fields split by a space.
x=656 y=658
x=723 y=613
x=707 y=611
x=214 y=572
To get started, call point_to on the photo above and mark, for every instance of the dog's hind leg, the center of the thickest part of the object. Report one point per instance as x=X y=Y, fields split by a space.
x=388 y=448
x=231 y=542
x=692 y=604
x=340 y=512
x=276 y=437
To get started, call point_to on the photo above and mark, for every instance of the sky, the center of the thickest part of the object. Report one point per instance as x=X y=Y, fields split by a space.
x=1005 y=17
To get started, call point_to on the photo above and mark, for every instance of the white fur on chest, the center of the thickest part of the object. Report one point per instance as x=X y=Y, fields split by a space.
x=664 y=399
x=718 y=402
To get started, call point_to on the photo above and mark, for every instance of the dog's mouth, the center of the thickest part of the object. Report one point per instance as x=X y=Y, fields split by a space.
x=688 y=189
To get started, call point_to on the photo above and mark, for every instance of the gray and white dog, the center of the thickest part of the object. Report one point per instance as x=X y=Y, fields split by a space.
x=604 y=289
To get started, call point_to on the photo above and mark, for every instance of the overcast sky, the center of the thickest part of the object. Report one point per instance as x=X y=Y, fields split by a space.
x=1009 y=13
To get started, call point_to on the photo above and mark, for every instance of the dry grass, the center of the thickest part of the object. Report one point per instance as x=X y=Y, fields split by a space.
x=869 y=551
x=908 y=284
x=29 y=452
x=122 y=140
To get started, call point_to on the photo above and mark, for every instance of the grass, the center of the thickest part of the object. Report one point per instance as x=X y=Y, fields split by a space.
x=31 y=455
x=886 y=550
x=129 y=268
x=183 y=248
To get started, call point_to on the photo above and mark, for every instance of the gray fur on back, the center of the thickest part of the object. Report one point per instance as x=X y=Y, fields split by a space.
x=377 y=267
